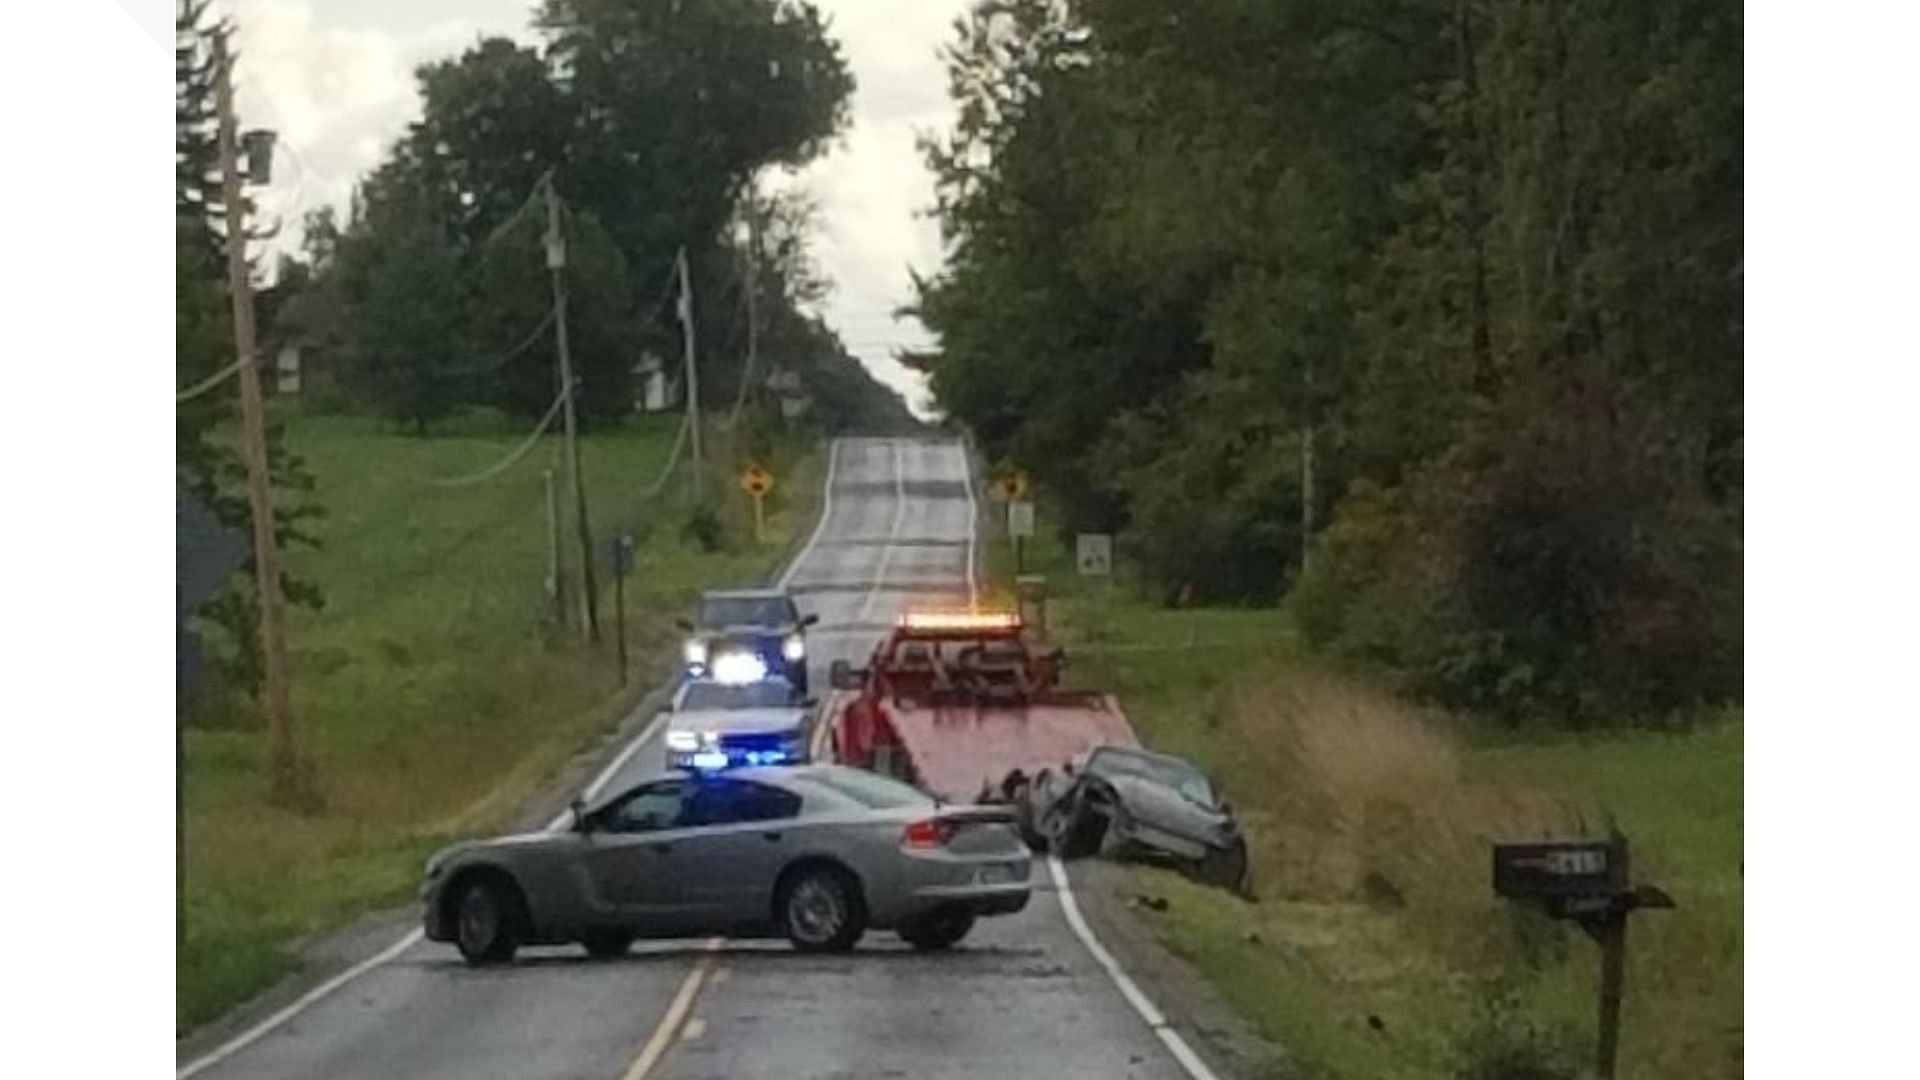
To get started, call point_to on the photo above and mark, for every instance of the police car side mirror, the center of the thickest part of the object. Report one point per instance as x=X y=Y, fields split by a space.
x=810 y=619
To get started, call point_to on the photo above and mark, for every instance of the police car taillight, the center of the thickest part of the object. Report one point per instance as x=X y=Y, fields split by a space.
x=928 y=834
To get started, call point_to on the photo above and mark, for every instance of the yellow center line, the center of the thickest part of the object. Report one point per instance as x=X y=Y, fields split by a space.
x=670 y=1024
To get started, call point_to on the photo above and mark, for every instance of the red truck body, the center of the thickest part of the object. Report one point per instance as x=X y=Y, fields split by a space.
x=958 y=702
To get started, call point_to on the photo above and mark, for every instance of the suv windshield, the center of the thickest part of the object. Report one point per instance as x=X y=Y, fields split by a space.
x=770 y=694
x=1181 y=777
x=746 y=611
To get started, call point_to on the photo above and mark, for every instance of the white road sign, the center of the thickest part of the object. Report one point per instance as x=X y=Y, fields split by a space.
x=1020 y=518
x=1093 y=554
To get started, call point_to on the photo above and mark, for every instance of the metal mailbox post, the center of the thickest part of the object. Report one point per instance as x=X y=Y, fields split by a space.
x=1586 y=881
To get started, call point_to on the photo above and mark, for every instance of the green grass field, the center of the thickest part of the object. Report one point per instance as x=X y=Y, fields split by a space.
x=1376 y=950
x=432 y=692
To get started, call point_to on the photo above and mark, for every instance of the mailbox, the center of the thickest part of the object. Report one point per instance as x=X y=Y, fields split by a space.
x=1585 y=881
x=1558 y=871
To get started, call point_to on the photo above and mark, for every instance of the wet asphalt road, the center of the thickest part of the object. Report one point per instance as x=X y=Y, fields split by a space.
x=1021 y=996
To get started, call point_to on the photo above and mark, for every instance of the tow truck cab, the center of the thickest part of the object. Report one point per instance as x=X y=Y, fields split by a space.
x=955 y=701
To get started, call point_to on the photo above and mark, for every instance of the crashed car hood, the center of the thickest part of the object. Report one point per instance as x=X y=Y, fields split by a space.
x=739 y=721
x=1164 y=808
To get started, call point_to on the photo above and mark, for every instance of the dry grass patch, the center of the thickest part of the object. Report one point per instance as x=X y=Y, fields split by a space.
x=1377 y=950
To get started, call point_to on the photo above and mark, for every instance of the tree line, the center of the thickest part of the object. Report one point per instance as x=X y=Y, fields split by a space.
x=653 y=121
x=1426 y=313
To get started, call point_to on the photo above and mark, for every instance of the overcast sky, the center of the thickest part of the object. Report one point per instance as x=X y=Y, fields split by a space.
x=335 y=78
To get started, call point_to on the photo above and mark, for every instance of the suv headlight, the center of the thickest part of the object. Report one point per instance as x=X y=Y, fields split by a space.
x=695 y=650
x=683 y=741
x=794 y=648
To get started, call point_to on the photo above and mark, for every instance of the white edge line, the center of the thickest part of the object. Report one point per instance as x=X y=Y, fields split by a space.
x=1177 y=1046
x=247 y=1038
x=413 y=937
x=826 y=511
x=973 y=522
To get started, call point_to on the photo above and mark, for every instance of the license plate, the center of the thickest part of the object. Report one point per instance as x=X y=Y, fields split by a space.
x=996 y=874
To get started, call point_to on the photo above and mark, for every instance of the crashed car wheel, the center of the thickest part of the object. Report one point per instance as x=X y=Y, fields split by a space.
x=821 y=911
x=1081 y=829
x=940 y=930
x=1226 y=868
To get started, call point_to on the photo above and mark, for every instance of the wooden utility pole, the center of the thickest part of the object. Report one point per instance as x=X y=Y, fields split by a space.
x=693 y=372
x=557 y=269
x=1306 y=469
x=289 y=775
x=556 y=592
x=751 y=279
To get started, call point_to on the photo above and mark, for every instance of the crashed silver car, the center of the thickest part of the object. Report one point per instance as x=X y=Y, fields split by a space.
x=817 y=853
x=1127 y=803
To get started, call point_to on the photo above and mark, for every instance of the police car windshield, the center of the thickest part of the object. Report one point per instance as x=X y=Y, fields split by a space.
x=758 y=695
x=746 y=611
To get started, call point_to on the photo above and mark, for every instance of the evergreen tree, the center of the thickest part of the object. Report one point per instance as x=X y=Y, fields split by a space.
x=207 y=462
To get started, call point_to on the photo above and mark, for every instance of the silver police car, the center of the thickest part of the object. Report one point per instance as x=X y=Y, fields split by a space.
x=817 y=853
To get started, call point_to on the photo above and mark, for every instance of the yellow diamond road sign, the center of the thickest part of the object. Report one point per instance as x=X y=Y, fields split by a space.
x=1013 y=484
x=756 y=481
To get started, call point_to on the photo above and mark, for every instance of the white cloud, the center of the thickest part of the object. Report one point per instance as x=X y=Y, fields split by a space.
x=874 y=190
x=339 y=91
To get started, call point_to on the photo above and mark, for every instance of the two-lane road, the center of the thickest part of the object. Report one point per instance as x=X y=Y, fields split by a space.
x=1022 y=996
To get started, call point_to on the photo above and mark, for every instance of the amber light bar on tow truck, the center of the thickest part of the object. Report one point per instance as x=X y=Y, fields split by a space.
x=959 y=620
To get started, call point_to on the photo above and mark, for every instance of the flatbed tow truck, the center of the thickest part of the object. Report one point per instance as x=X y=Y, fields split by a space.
x=961 y=704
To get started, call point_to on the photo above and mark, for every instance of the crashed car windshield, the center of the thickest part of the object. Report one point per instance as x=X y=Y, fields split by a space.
x=1177 y=775
x=757 y=695
x=747 y=611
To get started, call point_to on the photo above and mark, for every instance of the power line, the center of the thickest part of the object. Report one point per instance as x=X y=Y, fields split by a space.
x=211 y=381
x=507 y=462
x=666 y=471
x=501 y=360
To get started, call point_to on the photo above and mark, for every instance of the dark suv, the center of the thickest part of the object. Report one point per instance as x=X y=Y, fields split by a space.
x=748 y=634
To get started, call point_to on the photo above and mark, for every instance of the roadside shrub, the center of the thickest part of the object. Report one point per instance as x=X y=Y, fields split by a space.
x=703 y=529
x=1554 y=570
x=1504 y=1045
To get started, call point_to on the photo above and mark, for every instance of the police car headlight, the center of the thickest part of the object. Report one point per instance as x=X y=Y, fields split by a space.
x=683 y=740
x=695 y=652
x=794 y=648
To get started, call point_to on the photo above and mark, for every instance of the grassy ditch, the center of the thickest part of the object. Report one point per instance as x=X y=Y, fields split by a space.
x=433 y=693
x=1376 y=949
